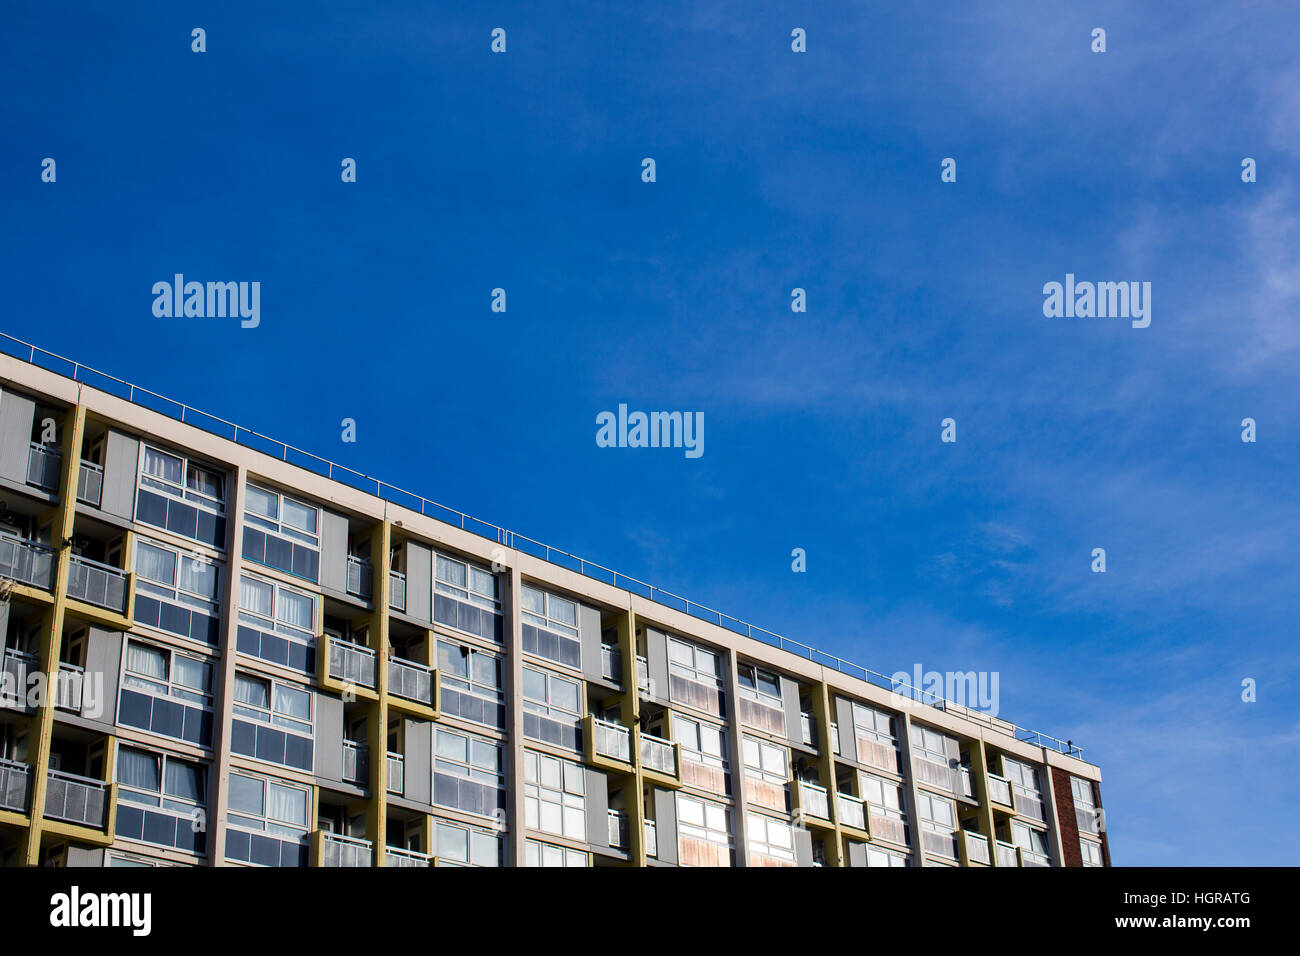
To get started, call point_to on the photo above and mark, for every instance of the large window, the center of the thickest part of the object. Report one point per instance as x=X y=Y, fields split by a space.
x=1024 y=785
x=761 y=705
x=467 y=772
x=282 y=532
x=930 y=757
x=695 y=676
x=704 y=832
x=181 y=497
x=267 y=821
x=466 y=597
x=1091 y=853
x=771 y=842
x=704 y=753
x=552 y=708
x=537 y=853
x=277 y=623
x=1032 y=843
x=466 y=846
x=938 y=817
x=550 y=627
x=177 y=591
x=273 y=721
x=767 y=771
x=876 y=856
x=471 y=684
x=555 y=796
x=877 y=741
x=161 y=799
x=166 y=692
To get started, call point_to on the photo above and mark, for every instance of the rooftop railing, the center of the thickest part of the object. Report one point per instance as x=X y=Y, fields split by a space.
x=290 y=454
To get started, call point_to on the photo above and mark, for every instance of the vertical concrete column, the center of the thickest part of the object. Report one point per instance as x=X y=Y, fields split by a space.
x=909 y=786
x=630 y=708
x=514 y=635
x=377 y=720
x=826 y=769
x=1049 y=803
x=735 y=744
x=979 y=771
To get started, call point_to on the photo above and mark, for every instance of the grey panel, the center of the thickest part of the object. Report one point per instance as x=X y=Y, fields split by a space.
x=419 y=581
x=103 y=664
x=848 y=738
x=16 y=414
x=85 y=856
x=656 y=653
x=790 y=697
x=597 y=807
x=419 y=750
x=334 y=551
x=666 y=824
x=803 y=847
x=589 y=632
x=121 y=464
x=857 y=854
x=329 y=737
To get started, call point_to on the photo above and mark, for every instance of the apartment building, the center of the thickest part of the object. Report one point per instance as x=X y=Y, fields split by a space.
x=219 y=651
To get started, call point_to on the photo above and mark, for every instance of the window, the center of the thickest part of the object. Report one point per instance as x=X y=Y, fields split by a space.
x=931 y=760
x=761 y=705
x=1091 y=853
x=273 y=721
x=938 y=818
x=555 y=796
x=1024 y=784
x=466 y=846
x=1032 y=843
x=766 y=773
x=758 y=683
x=771 y=840
x=177 y=591
x=267 y=821
x=547 y=854
x=877 y=743
x=281 y=532
x=877 y=856
x=182 y=497
x=550 y=628
x=277 y=623
x=1082 y=792
x=467 y=772
x=471 y=684
x=884 y=800
x=166 y=692
x=704 y=832
x=695 y=676
x=161 y=799
x=552 y=708
x=704 y=753
x=466 y=597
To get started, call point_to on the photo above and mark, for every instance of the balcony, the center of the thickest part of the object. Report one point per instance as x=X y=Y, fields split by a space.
x=99 y=584
x=26 y=562
x=67 y=692
x=611 y=665
x=15 y=786
x=339 y=850
x=356 y=762
x=966 y=783
x=90 y=484
x=360 y=577
x=1034 y=858
x=396 y=773
x=618 y=829
x=396 y=856
x=658 y=755
x=642 y=674
x=940 y=842
x=1007 y=855
x=975 y=847
x=852 y=812
x=1000 y=790
x=932 y=772
x=74 y=799
x=610 y=740
x=351 y=663
x=397 y=590
x=43 y=466
x=14 y=668
x=812 y=800
x=651 y=838
x=411 y=680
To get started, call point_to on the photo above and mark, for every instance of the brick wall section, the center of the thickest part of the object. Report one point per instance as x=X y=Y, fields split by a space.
x=1065 y=817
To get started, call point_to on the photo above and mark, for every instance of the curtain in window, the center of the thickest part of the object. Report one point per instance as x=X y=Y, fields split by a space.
x=155 y=564
x=184 y=780
x=297 y=610
x=138 y=769
x=199 y=577
x=252 y=692
x=204 y=482
x=287 y=805
x=255 y=596
x=192 y=673
x=146 y=661
x=158 y=465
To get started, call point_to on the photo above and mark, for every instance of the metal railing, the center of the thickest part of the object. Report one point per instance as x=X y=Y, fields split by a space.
x=90 y=483
x=43 y=464
x=611 y=665
x=807 y=730
x=353 y=663
x=339 y=850
x=290 y=454
x=15 y=666
x=97 y=583
x=618 y=829
x=360 y=577
x=75 y=799
x=642 y=673
x=651 y=838
x=26 y=561
x=15 y=785
x=977 y=847
x=397 y=590
x=356 y=766
x=1034 y=858
x=396 y=856
x=410 y=680
x=813 y=800
x=67 y=692
x=396 y=773
x=851 y=810
x=658 y=754
x=1000 y=790
x=611 y=740
x=1007 y=855
x=966 y=783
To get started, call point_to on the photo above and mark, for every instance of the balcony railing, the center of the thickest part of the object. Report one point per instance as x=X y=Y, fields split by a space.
x=352 y=663
x=611 y=664
x=15 y=666
x=396 y=856
x=642 y=674
x=611 y=740
x=651 y=838
x=658 y=755
x=396 y=773
x=851 y=811
x=99 y=584
x=618 y=829
x=15 y=786
x=807 y=730
x=966 y=783
x=1007 y=855
x=1034 y=858
x=410 y=680
x=360 y=577
x=67 y=693
x=977 y=847
x=356 y=764
x=1000 y=790
x=74 y=799
x=90 y=483
x=43 y=466
x=339 y=850
x=813 y=800
x=26 y=562
x=397 y=590
x=939 y=842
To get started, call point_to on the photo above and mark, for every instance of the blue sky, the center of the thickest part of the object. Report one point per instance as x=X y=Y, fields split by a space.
x=775 y=170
